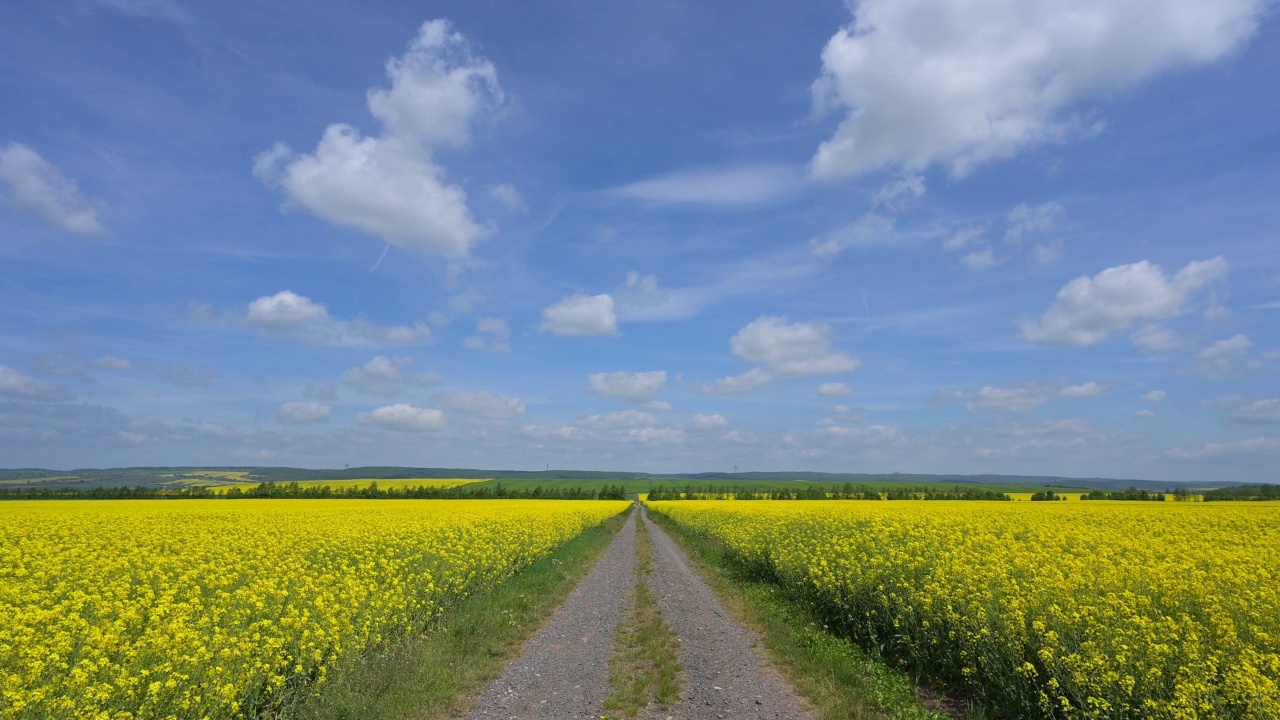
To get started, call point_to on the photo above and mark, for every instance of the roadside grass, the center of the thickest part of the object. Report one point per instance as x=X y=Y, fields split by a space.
x=440 y=673
x=839 y=679
x=645 y=666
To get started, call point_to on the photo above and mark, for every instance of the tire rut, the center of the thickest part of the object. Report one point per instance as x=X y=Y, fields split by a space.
x=725 y=675
x=563 y=672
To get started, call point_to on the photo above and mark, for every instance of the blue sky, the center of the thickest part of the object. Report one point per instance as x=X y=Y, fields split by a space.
x=980 y=237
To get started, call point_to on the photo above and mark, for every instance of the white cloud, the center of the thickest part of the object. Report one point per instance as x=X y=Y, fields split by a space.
x=1258 y=412
x=1155 y=338
x=386 y=376
x=870 y=229
x=875 y=435
x=18 y=385
x=657 y=406
x=567 y=433
x=1145 y=413
x=299 y=413
x=1046 y=253
x=492 y=334
x=1252 y=446
x=31 y=184
x=636 y=387
x=1154 y=396
x=483 y=405
x=655 y=436
x=708 y=422
x=895 y=194
x=964 y=237
x=1087 y=310
x=1225 y=358
x=720 y=186
x=963 y=84
x=834 y=389
x=620 y=419
x=289 y=316
x=1006 y=400
x=510 y=198
x=642 y=298
x=403 y=417
x=1025 y=220
x=581 y=315
x=1088 y=389
x=980 y=260
x=781 y=350
x=111 y=362
x=1063 y=426
x=390 y=185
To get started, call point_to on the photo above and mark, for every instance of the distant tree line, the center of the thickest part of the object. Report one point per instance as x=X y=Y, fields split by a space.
x=1244 y=492
x=1047 y=496
x=1132 y=493
x=847 y=491
x=293 y=490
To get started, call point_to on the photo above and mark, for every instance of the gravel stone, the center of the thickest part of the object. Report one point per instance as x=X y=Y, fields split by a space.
x=725 y=676
x=563 y=673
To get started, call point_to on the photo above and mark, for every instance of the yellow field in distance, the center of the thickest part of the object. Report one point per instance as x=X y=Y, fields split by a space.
x=360 y=483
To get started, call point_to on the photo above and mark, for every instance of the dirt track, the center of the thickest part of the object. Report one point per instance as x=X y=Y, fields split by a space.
x=563 y=671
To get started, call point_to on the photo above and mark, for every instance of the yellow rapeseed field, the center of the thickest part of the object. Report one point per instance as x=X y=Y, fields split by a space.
x=208 y=608
x=1073 y=610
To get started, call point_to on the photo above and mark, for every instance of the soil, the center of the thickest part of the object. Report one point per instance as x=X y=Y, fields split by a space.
x=563 y=671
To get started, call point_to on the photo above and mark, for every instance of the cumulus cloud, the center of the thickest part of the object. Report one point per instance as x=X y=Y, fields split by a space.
x=1258 y=412
x=642 y=298
x=1025 y=220
x=117 y=364
x=963 y=84
x=510 y=198
x=301 y=413
x=1063 y=426
x=722 y=186
x=1145 y=413
x=565 y=433
x=1088 y=389
x=781 y=350
x=635 y=387
x=870 y=229
x=964 y=237
x=1226 y=358
x=620 y=419
x=483 y=405
x=980 y=260
x=289 y=316
x=386 y=376
x=1252 y=446
x=708 y=422
x=14 y=384
x=1154 y=396
x=1087 y=310
x=655 y=436
x=834 y=389
x=1007 y=399
x=31 y=184
x=581 y=315
x=1155 y=338
x=403 y=417
x=875 y=435
x=492 y=334
x=391 y=185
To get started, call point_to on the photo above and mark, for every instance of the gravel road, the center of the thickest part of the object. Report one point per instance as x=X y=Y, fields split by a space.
x=563 y=671
x=725 y=675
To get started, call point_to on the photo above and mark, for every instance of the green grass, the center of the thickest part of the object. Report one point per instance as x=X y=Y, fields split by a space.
x=440 y=673
x=838 y=678
x=645 y=667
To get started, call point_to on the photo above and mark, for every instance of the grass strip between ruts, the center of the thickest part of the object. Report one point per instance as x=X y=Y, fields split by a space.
x=440 y=673
x=836 y=676
x=645 y=666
